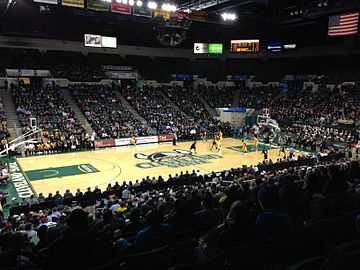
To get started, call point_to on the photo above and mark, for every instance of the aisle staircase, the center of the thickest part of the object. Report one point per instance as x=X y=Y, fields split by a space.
x=173 y=104
x=236 y=99
x=10 y=114
x=179 y=109
x=137 y=116
x=74 y=106
x=210 y=110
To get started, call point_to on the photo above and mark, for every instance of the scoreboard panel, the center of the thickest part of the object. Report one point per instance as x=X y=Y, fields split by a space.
x=245 y=46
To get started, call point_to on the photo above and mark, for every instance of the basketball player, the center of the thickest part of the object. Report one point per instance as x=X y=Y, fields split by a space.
x=212 y=145
x=265 y=153
x=193 y=148
x=244 y=147
x=220 y=135
x=133 y=140
x=218 y=145
x=282 y=146
x=255 y=142
x=218 y=141
x=174 y=139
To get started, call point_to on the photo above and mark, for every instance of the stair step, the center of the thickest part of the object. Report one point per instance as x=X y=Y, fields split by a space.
x=74 y=106
x=10 y=113
x=137 y=116
x=210 y=110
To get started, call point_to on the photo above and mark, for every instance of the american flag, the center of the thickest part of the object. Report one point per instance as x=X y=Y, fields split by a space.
x=344 y=24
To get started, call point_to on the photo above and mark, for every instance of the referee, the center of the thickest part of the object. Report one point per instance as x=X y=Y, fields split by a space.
x=193 y=147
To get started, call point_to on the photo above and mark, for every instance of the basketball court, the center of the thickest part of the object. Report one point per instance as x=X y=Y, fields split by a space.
x=49 y=173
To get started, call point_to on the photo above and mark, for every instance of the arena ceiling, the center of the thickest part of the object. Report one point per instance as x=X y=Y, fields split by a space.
x=304 y=22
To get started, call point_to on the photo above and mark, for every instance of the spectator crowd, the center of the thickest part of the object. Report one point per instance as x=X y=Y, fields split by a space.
x=60 y=128
x=192 y=218
x=105 y=112
x=159 y=112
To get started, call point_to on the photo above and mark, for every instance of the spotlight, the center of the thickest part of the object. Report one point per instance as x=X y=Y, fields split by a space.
x=168 y=7
x=152 y=5
x=131 y=2
x=124 y=2
x=229 y=16
x=139 y=3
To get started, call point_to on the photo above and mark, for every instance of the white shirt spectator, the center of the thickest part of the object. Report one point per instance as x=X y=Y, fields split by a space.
x=115 y=207
x=125 y=194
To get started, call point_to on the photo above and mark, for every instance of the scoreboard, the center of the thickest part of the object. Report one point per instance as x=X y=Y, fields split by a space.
x=245 y=46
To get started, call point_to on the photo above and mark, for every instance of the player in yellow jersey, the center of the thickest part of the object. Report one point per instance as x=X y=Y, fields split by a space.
x=255 y=143
x=220 y=135
x=40 y=147
x=133 y=140
x=218 y=145
x=244 y=147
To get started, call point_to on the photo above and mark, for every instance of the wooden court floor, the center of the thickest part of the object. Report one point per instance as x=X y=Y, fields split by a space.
x=49 y=173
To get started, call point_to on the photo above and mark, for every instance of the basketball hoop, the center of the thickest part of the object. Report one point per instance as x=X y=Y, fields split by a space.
x=33 y=123
x=27 y=137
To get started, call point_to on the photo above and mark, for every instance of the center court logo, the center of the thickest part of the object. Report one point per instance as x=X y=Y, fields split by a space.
x=176 y=159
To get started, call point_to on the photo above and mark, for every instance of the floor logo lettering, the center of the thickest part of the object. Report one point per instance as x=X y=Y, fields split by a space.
x=176 y=159
x=18 y=179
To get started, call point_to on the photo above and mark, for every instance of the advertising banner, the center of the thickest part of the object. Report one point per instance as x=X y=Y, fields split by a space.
x=52 y=2
x=199 y=16
x=43 y=73
x=104 y=143
x=98 y=5
x=113 y=74
x=184 y=77
x=27 y=72
x=235 y=109
x=142 y=11
x=149 y=139
x=120 y=7
x=274 y=46
x=215 y=48
x=73 y=3
x=161 y=13
x=166 y=138
x=122 y=142
x=12 y=72
x=139 y=140
x=201 y=48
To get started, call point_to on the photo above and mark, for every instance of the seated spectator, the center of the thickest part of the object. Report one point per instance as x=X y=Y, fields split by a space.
x=209 y=215
x=270 y=221
x=19 y=253
x=155 y=233
x=236 y=230
x=77 y=245
x=135 y=223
